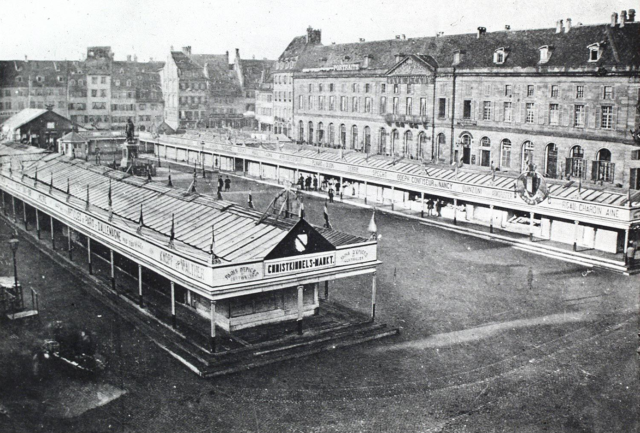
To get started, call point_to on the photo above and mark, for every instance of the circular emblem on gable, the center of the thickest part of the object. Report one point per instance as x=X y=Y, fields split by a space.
x=532 y=188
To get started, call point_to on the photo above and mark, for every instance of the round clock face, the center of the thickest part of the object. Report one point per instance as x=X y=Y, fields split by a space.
x=531 y=187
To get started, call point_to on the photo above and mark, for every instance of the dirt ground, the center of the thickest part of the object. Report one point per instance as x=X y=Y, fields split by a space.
x=492 y=340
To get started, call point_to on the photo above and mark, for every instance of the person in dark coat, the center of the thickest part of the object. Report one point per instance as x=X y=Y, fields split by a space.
x=330 y=194
x=307 y=182
x=315 y=182
x=227 y=184
x=338 y=188
x=439 y=207
x=301 y=182
x=430 y=206
x=220 y=183
x=129 y=130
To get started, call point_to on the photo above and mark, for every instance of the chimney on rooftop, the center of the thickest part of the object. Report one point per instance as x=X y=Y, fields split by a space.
x=187 y=50
x=567 y=26
x=623 y=18
x=361 y=39
x=632 y=16
x=481 y=31
x=128 y=57
x=314 y=36
x=507 y=27
x=559 y=26
x=614 y=19
x=135 y=58
x=237 y=54
x=399 y=57
x=26 y=59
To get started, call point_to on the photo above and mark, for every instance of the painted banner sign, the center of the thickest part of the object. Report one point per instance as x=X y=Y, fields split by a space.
x=299 y=264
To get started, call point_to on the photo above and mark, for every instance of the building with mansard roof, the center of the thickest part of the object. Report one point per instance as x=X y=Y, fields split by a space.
x=563 y=99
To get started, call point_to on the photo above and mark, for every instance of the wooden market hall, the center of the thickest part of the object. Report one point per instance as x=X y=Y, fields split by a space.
x=233 y=267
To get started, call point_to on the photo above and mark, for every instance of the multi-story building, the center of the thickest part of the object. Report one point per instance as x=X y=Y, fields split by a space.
x=264 y=104
x=283 y=89
x=97 y=93
x=562 y=99
x=205 y=90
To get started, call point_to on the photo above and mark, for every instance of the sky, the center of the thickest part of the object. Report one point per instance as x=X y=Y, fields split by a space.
x=62 y=29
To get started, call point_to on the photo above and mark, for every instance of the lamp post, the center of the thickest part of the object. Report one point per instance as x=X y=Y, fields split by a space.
x=13 y=243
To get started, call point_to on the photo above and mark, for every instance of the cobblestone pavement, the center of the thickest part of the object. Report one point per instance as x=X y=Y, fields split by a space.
x=492 y=339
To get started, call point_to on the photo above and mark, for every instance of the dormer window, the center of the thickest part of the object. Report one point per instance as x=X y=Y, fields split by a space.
x=545 y=53
x=595 y=51
x=499 y=56
x=19 y=79
x=59 y=78
x=39 y=79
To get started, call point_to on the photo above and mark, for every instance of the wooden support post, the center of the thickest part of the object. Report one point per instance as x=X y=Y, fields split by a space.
x=422 y=206
x=140 y=299
x=37 y=223
x=244 y=166
x=531 y=226
x=212 y=338
x=326 y=290
x=4 y=208
x=113 y=271
x=89 y=255
x=278 y=173
x=393 y=196
x=341 y=191
x=365 y=192
x=53 y=239
x=373 y=296
x=260 y=165
x=455 y=211
x=24 y=214
x=13 y=202
x=300 y=308
x=490 y=218
x=575 y=236
x=69 y=246
x=173 y=305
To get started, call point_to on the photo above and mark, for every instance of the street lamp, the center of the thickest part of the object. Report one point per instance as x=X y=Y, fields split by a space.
x=13 y=243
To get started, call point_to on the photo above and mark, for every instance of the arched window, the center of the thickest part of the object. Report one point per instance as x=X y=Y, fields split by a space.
x=485 y=152
x=551 y=161
x=367 y=139
x=72 y=82
x=603 y=170
x=465 y=142
x=301 y=131
x=527 y=155
x=332 y=138
x=505 y=154
x=354 y=137
x=407 y=148
x=343 y=135
x=576 y=165
x=310 y=133
x=320 y=133
x=384 y=150
x=395 y=138
x=422 y=144
x=604 y=155
x=440 y=144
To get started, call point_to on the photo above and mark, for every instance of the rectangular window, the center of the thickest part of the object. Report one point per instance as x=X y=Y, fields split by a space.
x=554 y=91
x=367 y=105
x=442 y=108
x=103 y=80
x=466 y=109
x=606 y=121
x=396 y=103
x=94 y=80
x=343 y=103
x=607 y=92
x=332 y=102
x=579 y=91
x=578 y=116
x=331 y=87
x=530 y=113
x=554 y=114
x=409 y=106
x=508 y=112
x=300 y=102
x=320 y=102
x=383 y=104
x=99 y=105
x=423 y=106
x=383 y=88
x=409 y=89
x=355 y=106
x=367 y=88
x=530 y=90
x=320 y=87
x=94 y=92
x=508 y=90
x=103 y=93
x=486 y=110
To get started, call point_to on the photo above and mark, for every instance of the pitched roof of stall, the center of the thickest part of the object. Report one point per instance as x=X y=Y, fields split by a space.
x=241 y=234
x=22 y=117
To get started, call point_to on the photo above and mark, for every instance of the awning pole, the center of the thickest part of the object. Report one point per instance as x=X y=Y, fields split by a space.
x=300 y=306
x=173 y=305
x=575 y=236
x=491 y=218
x=531 y=226
x=69 y=243
x=37 y=224
x=140 y=300
x=24 y=214
x=113 y=271
x=373 y=297
x=212 y=339
x=89 y=255
x=53 y=239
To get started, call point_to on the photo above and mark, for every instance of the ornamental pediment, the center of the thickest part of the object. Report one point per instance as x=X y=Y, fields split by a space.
x=413 y=65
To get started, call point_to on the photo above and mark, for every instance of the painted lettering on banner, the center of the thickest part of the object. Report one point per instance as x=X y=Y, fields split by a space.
x=299 y=264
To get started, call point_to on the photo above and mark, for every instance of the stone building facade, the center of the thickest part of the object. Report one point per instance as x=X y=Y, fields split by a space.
x=563 y=99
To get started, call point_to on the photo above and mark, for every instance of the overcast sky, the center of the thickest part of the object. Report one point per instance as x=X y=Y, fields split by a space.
x=62 y=29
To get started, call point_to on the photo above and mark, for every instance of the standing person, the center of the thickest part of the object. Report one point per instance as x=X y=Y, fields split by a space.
x=301 y=181
x=439 y=207
x=430 y=207
x=324 y=183
x=308 y=183
x=220 y=184
x=315 y=182
x=227 y=184
x=629 y=258
x=337 y=188
x=330 y=194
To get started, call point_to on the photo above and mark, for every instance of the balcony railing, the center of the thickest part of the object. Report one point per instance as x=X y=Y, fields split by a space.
x=405 y=118
x=603 y=171
x=576 y=167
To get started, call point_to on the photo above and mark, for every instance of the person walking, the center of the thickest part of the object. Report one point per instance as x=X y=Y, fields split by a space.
x=430 y=207
x=438 y=207
x=227 y=184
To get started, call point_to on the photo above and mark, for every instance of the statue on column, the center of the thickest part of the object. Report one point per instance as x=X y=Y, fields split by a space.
x=129 y=130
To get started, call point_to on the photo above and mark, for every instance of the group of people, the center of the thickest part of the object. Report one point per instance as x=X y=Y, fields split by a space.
x=226 y=184
x=307 y=183
x=434 y=204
